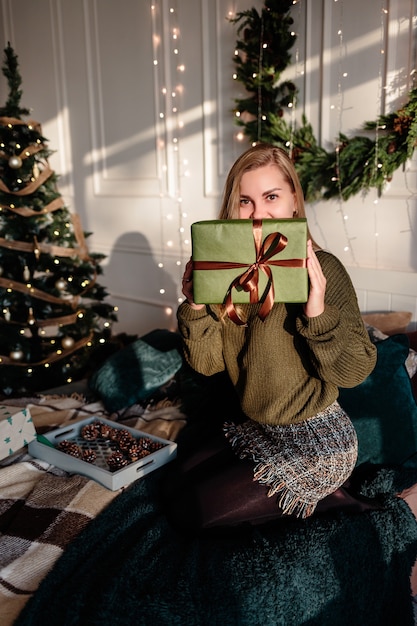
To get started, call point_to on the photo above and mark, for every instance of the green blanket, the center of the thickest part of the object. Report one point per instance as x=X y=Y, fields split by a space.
x=129 y=568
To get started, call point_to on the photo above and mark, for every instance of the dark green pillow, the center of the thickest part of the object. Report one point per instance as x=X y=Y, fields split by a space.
x=383 y=409
x=133 y=374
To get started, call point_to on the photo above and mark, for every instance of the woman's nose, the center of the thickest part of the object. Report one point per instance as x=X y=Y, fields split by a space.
x=259 y=213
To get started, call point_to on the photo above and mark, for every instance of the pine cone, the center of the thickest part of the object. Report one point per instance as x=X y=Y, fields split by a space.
x=104 y=430
x=126 y=441
x=116 y=461
x=132 y=452
x=89 y=455
x=70 y=447
x=90 y=432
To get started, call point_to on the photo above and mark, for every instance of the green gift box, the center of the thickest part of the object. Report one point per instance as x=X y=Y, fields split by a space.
x=243 y=261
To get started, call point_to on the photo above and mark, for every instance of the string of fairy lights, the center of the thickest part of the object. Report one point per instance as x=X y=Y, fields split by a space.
x=169 y=70
x=299 y=72
x=341 y=76
x=410 y=200
x=380 y=89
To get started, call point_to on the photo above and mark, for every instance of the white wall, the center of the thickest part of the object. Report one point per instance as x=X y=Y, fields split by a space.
x=143 y=148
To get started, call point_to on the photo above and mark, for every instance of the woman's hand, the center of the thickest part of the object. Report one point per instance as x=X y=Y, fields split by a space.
x=315 y=303
x=187 y=286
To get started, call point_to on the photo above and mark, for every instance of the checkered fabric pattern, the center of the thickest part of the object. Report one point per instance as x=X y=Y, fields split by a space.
x=41 y=510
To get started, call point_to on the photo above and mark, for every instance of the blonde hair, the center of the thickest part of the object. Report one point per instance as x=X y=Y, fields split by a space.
x=258 y=156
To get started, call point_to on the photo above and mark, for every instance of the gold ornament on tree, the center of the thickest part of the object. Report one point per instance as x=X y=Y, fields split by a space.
x=16 y=354
x=67 y=343
x=15 y=162
x=61 y=284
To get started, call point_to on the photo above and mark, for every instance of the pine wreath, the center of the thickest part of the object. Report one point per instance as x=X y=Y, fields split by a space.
x=357 y=163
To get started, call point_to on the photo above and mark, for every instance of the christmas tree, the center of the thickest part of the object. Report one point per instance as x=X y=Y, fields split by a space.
x=53 y=317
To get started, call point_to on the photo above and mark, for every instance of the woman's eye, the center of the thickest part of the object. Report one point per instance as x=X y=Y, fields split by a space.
x=244 y=201
x=272 y=196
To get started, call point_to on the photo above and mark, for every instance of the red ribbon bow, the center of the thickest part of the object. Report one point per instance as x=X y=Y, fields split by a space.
x=273 y=244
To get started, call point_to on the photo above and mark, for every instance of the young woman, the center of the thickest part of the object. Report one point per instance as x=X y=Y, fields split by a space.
x=286 y=370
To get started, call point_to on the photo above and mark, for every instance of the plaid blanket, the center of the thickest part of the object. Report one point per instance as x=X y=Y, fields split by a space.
x=41 y=511
x=42 y=508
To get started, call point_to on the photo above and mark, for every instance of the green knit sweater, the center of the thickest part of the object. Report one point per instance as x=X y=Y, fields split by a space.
x=289 y=367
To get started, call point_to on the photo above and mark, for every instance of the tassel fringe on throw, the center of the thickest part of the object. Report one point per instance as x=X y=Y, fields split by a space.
x=299 y=463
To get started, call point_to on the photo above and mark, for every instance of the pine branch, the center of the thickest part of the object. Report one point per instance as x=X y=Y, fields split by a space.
x=10 y=70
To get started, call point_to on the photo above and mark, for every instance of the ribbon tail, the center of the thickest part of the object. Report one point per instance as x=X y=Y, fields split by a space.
x=269 y=295
x=230 y=307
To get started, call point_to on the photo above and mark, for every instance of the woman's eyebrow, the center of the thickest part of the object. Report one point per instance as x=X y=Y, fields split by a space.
x=266 y=193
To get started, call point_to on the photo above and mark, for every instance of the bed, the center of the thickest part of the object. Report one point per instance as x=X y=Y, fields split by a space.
x=74 y=552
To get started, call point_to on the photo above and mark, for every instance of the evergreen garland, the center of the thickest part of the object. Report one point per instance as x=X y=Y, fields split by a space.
x=356 y=164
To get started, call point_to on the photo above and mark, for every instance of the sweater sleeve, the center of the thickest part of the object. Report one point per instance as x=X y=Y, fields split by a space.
x=340 y=348
x=202 y=340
